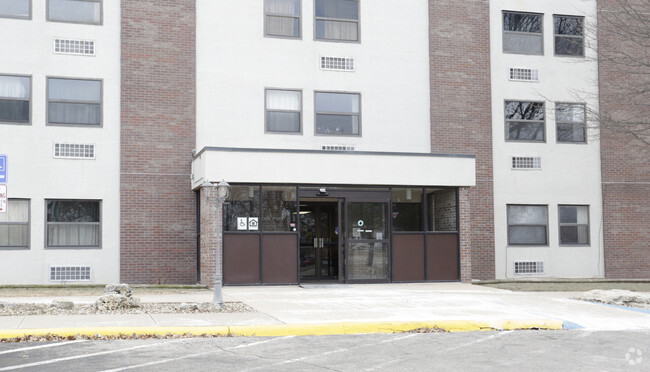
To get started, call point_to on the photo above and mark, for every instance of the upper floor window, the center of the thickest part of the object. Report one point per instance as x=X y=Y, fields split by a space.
x=283 y=110
x=574 y=224
x=282 y=18
x=15 y=9
x=522 y=33
x=73 y=101
x=527 y=225
x=73 y=223
x=14 y=225
x=75 y=11
x=570 y=121
x=15 y=97
x=338 y=113
x=337 y=20
x=524 y=121
x=569 y=36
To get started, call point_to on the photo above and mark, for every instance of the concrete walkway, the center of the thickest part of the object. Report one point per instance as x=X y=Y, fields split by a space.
x=336 y=309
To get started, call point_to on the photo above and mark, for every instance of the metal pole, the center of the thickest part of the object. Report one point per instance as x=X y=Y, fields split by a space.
x=218 y=297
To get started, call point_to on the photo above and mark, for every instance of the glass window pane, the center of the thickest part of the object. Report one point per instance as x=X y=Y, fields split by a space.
x=570 y=112
x=583 y=214
x=341 y=9
x=337 y=124
x=243 y=202
x=516 y=110
x=569 y=234
x=14 y=111
x=285 y=7
x=74 y=90
x=367 y=220
x=527 y=215
x=522 y=22
x=367 y=261
x=283 y=26
x=14 y=87
x=335 y=30
x=527 y=235
x=568 y=25
x=570 y=132
x=407 y=210
x=526 y=131
x=13 y=235
x=568 y=214
x=17 y=211
x=278 y=208
x=569 y=46
x=74 y=113
x=72 y=211
x=283 y=122
x=441 y=210
x=288 y=100
x=85 y=11
x=14 y=8
x=522 y=43
x=73 y=235
x=337 y=102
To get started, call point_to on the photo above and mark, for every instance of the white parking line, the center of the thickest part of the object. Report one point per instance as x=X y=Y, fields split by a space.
x=41 y=347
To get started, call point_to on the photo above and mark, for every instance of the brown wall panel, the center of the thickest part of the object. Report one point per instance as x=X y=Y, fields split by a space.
x=280 y=259
x=442 y=257
x=408 y=258
x=241 y=259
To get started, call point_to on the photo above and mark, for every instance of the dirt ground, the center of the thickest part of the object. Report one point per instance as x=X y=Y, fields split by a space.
x=570 y=286
x=73 y=291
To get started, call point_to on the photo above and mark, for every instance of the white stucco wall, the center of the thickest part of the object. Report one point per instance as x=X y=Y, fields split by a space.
x=570 y=172
x=33 y=172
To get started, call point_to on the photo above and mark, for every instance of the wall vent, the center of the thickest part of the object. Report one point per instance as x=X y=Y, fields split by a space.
x=526 y=162
x=337 y=63
x=529 y=267
x=72 y=46
x=524 y=74
x=74 y=151
x=337 y=148
x=70 y=273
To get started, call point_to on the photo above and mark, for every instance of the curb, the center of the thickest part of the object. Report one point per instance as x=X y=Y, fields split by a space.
x=278 y=330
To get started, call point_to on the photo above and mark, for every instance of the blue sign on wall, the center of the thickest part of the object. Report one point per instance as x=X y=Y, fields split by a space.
x=3 y=168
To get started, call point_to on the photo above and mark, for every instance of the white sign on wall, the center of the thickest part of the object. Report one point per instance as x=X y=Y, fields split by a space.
x=253 y=223
x=3 y=199
x=242 y=223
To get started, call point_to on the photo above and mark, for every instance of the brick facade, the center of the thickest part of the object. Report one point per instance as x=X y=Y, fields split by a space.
x=625 y=161
x=158 y=207
x=461 y=115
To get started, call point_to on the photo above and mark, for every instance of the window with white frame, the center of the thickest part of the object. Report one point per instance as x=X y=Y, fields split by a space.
x=337 y=20
x=15 y=9
x=524 y=121
x=338 y=113
x=75 y=11
x=569 y=35
x=14 y=225
x=522 y=33
x=574 y=224
x=527 y=225
x=73 y=101
x=15 y=96
x=570 y=121
x=73 y=224
x=283 y=111
x=282 y=18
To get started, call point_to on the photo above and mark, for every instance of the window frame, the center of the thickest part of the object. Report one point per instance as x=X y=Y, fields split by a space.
x=28 y=17
x=99 y=223
x=29 y=101
x=584 y=123
x=266 y=110
x=510 y=244
x=561 y=224
x=29 y=227
x=582 y=37
x=316 y=113
x=507 y=121
x=299 y=17
x=504 y=32
x=47 y=102
x=357 y=21
x=101 y=13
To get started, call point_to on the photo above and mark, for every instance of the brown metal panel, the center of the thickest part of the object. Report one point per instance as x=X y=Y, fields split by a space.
x=442 y=257
x=241 y=259
x=408 y=258
x=279 y=259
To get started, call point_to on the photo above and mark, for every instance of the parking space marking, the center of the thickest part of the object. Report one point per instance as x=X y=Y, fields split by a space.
x=41 y=347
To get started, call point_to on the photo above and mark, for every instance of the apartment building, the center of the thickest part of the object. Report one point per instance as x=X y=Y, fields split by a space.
x=363 y=142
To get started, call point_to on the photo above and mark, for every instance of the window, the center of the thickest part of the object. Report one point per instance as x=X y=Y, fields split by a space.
x=570 y=120
x=15 y=9
x=242 y=204
x=569 y=38
x=337 y=20
x=73 y=224
x=283 y=111
x=75 y=11
x=574 y=224
x=278 y=208
x=527 y=225
x=15 y=95
x=524 y=121
x=282 y=18
x=522 y=33
x=14 y=225
x=74 y=101
x=337 y=113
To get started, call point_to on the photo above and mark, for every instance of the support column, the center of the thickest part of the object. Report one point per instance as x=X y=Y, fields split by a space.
x=465 y=234
x=209 y=235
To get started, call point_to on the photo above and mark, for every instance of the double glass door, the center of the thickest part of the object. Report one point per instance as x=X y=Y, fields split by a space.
x=366 y=248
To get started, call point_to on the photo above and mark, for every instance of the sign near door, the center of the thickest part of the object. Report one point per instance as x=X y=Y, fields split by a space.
x=3 y=168
x=248 y=223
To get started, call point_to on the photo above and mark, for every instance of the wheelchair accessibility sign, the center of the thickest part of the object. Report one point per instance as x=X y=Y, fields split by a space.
x=3 y=168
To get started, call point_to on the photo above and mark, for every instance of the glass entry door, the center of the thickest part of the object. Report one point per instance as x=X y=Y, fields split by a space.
x=319 y=242
x=367 y=241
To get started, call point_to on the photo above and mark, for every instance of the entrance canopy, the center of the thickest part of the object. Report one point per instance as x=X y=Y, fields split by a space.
x=281 y=166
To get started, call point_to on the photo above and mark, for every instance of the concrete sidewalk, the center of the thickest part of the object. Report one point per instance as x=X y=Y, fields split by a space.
x=337 y=309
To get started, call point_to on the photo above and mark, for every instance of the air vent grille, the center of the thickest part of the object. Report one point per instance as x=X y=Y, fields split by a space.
x=529 y=267
x=526 y=162
x=337 y=148
x=70 y=273
x=71 y=46
x=524 y=74
x=337 y=63
x=74 y=151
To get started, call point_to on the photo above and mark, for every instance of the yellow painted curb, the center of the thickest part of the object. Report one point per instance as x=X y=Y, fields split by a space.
x=290 y=329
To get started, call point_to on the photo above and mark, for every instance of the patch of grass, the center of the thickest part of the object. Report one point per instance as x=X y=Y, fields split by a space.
x=568 y=286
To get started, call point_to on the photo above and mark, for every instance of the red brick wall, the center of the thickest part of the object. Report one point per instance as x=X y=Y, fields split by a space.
x=158 y=207
x=461 y=116
x=625 y=161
